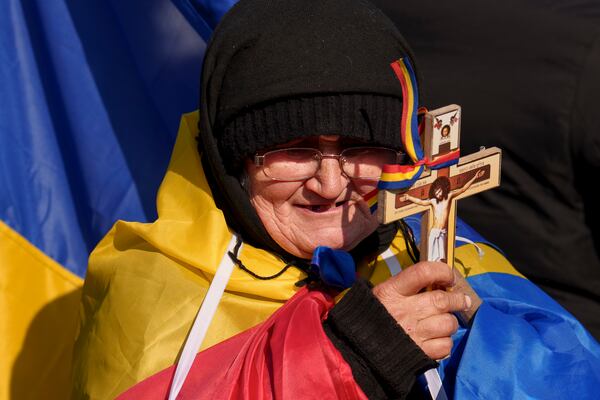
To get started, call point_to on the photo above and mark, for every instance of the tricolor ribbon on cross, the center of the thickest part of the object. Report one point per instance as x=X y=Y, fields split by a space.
x=396 y=176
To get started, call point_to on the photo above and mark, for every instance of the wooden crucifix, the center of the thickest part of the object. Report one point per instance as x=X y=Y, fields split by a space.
x=437 y=190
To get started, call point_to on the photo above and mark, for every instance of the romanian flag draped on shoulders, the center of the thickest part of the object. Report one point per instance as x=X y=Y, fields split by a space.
x=90 y=97
x=521 y=344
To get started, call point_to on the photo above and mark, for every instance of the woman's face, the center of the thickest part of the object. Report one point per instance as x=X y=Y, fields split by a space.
x=325 y=210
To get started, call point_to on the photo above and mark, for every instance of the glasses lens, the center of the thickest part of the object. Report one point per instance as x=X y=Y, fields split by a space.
x=367 y=162
x=291 y=164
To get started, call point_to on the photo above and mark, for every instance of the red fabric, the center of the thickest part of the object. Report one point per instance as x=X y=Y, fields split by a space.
x=286 y=357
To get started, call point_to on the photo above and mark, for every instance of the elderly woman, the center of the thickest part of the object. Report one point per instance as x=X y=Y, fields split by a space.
x=299 y=111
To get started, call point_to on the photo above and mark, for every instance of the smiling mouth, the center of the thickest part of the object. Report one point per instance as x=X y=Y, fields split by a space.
x=319 y=208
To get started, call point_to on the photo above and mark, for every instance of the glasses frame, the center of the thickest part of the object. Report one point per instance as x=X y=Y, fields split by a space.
x=259 y=160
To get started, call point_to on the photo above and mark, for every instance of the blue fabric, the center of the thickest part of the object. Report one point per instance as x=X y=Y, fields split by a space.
x=335 y=267
x=522 y=345
x=204 y=15
x=91 y=97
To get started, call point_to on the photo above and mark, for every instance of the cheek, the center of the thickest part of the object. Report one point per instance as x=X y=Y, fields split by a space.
x=363 y=186
x=272 y=200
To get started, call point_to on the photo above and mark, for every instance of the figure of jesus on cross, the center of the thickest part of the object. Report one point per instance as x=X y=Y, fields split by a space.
x=439 y=201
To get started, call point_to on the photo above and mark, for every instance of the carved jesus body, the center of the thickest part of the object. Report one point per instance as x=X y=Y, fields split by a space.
x=440 y=197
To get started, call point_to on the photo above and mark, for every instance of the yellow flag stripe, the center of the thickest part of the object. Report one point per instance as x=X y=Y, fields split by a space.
x=39 y=303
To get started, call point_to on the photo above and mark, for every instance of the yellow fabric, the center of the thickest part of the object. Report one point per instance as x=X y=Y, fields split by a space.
x=466 y=261
x=145 y=282
x=38 y=314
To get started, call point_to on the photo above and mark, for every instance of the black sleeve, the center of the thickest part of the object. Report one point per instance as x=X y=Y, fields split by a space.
x=384 y=360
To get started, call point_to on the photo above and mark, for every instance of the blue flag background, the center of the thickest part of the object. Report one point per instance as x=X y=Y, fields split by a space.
x=91 y=93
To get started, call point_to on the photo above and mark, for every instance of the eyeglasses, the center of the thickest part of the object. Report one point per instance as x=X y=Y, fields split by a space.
x=298 y=164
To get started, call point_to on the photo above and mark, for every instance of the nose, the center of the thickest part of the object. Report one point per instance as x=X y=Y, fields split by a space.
x=329 y=181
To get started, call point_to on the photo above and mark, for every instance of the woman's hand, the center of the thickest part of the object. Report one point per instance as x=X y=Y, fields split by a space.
x=425 y=316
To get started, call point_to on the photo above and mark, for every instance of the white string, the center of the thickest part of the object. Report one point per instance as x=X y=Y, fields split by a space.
x=434 y=384
x=480 y=251
x=432 y=376
x=391 y=261
x=203 y=319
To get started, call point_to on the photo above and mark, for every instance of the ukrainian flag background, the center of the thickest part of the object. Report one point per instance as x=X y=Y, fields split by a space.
x=91 y=94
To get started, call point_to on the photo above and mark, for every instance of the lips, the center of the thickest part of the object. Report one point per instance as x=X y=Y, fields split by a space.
x=321 y=208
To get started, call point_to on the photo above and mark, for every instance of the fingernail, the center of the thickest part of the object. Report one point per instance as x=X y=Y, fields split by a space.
x=468 y=301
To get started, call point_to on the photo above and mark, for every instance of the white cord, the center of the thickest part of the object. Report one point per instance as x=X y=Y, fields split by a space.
x=432 y=376
x=480 y=251
x=203 y=319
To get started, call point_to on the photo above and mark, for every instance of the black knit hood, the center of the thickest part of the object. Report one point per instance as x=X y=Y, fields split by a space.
x=279 y=69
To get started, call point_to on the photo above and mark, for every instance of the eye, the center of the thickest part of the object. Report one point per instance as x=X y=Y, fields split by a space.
x=370 y=155
x=299 y=154
x=367 y=162
x=292 y=156
x=291 y=164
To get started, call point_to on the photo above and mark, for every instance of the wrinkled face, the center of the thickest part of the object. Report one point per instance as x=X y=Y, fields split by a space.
x=325 y=210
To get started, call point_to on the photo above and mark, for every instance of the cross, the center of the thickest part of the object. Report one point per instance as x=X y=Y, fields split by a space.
x=437 y=190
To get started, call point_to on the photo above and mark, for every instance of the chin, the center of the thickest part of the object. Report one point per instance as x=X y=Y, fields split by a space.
x=334 y=238
x=300 y=235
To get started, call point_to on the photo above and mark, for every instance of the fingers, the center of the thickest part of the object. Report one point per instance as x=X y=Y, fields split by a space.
x=437 y=349
x=422 y=275
x=438 y=302
x=425 y=316
x=461 y=286
x=435 y=334
x=437 y=326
